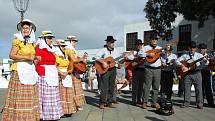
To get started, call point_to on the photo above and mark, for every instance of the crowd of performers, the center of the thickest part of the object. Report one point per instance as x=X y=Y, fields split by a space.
x=44 y=85
x=154 y=67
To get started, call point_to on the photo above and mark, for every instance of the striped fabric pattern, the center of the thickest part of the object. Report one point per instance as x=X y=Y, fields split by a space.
x=22 y=102
x=79 y=92
x=67 y=99
x=49 y=99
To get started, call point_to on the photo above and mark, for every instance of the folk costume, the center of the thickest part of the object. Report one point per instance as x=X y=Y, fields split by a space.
x=22 y=102
x=77 y=84
x=67 y=93
x=48 y=83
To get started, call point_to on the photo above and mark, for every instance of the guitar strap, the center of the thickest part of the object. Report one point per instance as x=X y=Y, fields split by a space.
x=190 y=55
x=137 y=52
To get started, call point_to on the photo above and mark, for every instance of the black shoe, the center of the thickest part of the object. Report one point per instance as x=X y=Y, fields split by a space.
x=184 y=106
x=199 y=107
x=66 y=115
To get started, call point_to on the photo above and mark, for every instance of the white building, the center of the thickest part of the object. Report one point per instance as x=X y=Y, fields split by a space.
x=92 y=53
x=183 y=32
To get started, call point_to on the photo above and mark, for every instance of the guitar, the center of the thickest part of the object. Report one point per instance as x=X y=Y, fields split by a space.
x=168 y=64
x=79 y=66
x=190 y=65
x=157 y=52
x=110 y=61
x=156 y=55
x=132 y=64
x=212 y=64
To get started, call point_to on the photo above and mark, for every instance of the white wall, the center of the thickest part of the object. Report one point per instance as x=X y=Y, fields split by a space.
x=200 y=35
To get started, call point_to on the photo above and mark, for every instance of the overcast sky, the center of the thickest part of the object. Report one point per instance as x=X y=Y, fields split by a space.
x=90 y=20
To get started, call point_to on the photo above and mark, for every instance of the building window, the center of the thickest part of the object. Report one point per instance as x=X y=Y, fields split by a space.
x=130 y=41
x=184 y=37
x=214 y=42
x=147 y=35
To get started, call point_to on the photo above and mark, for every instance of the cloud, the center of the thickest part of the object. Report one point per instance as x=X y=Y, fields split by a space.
x=90 y=20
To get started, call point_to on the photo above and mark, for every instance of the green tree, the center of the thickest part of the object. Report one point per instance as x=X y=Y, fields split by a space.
x=162 y=13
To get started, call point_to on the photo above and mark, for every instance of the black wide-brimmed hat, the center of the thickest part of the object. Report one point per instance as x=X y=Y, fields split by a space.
x=192 y=44
x=139 y=41
x=110 y=39
x=154 y=36
x=202 y=46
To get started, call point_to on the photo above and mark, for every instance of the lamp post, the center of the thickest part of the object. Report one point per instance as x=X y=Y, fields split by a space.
x=21 y=6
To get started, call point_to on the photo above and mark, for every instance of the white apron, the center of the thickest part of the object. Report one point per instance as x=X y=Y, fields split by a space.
x=27 y=73
x=51 y=75
x=67 y=81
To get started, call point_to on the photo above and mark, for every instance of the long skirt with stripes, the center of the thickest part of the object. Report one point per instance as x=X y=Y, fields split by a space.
x=67 y=95
x=49 y=99
x=79 y=92
x=22 y=103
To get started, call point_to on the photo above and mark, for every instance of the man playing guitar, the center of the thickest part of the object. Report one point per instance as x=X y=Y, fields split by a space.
x=152 y=74
x=206 y=77
x=107 y=79
x=192 y=77
x=138 y=71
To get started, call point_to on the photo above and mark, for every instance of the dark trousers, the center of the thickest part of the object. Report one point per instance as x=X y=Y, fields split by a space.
x=166 y=83
x=207 y=87
x=107 y=86
x=181 y=87
x=196 y=79
x=137 y=86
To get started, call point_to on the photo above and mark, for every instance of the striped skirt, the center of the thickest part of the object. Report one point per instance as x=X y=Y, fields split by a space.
x=22 y=102
x=49 y=99
x=79 y=92
x=67 y=99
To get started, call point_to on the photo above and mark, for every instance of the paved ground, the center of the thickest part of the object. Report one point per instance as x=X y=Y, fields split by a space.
x=127 y=112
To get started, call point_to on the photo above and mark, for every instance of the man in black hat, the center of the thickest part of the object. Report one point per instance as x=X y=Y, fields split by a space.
x=192 y=76
x=206 y=77
x=152 y=75
x=137 y=73
x=107 y=80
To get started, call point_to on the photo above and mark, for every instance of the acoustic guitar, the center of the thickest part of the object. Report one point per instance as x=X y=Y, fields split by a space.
x=190 y=65
x=157 y=52
x=80 y=67
x=212 y=61
x=212 y=64
x=156 y=55
x=132 y=64
x=110 y=61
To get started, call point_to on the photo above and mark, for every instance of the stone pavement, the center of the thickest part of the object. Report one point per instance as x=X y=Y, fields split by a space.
x=127 y=112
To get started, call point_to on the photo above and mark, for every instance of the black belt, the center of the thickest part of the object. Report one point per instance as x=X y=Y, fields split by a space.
x=150 y=67
x=139 y=69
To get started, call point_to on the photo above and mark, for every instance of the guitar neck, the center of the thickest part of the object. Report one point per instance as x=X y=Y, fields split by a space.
x=118 y=58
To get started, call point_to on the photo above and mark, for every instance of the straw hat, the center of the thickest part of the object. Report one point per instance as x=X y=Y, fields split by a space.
x=59 y=42
x=27 y=21
x=71 y=38
x=47 y=33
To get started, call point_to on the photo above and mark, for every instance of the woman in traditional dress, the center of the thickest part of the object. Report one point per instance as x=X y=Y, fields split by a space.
x=79 y=93
x=22 y=102
x=48 y=83
x=66 y=86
